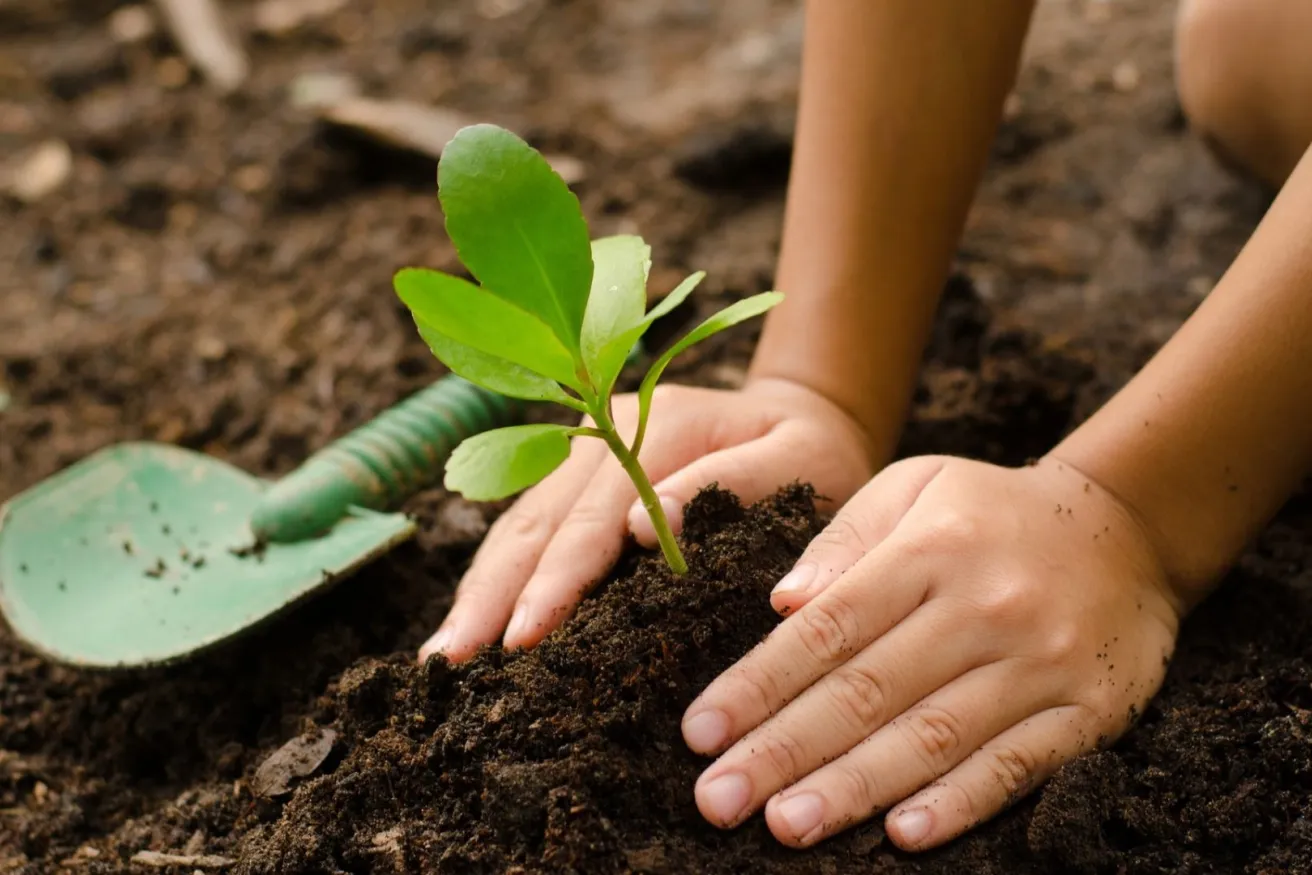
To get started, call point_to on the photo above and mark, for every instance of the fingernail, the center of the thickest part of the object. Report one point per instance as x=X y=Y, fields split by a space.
x=912 y=826
x=706 y=731
x=725 y=799
x=518 y=626
x=797 y=580
x=802 y=814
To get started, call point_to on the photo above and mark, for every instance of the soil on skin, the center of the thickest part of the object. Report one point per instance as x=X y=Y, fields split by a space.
x=215 y=273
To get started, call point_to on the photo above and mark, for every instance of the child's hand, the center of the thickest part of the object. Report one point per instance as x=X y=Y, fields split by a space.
x=564 y=534
x=988 y=625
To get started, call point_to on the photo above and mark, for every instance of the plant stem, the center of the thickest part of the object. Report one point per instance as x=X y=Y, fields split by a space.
x=669 y=546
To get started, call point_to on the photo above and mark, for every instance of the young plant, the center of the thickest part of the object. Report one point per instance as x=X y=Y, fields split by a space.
x=553 y=318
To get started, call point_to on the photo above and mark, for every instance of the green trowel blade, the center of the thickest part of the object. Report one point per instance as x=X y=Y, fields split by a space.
x=143 y=553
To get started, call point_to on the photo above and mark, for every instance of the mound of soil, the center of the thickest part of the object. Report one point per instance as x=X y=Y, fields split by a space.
x=214 y=273
x=566 y=758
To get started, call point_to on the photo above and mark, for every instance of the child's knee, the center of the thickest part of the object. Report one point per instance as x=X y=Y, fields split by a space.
x=1241 y=74
x=1213 y=68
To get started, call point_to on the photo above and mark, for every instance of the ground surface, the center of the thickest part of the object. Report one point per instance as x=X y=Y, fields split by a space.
x=215 y=273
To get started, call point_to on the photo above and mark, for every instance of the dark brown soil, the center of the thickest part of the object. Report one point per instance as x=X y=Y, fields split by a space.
x=563 y=759
x=566 y=759
x=215 y=274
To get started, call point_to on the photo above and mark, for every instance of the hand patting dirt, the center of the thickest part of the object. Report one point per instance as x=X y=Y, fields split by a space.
x=215 y=273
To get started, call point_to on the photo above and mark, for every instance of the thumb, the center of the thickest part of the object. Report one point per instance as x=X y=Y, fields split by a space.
x=751 y=470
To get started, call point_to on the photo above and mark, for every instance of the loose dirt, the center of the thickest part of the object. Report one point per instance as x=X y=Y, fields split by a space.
x=214 y=272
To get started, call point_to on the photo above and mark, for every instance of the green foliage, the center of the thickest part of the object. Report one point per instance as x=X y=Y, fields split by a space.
x=517 y=227
x=471 y=317
x=617 y=304
x=553 y=318
x=495 y=374
x=503 y=461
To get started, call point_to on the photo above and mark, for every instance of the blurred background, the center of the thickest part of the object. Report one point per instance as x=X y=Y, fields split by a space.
x=202 y=202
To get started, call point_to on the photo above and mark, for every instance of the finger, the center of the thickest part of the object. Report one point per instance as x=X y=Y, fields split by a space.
x=510 y=552
x=1003 y=771
x=882 y=589
x=752 y=470
x=588 y=541
x=913 y=750
x=585 y=545
x=860 y=526
x=840 y=710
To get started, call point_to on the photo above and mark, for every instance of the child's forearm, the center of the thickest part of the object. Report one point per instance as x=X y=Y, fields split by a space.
x=1212 y=436
x=900 y=99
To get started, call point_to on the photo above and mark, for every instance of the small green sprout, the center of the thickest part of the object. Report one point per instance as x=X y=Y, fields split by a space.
x=553 y=318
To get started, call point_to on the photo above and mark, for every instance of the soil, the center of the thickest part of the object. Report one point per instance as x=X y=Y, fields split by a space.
x=215 y=273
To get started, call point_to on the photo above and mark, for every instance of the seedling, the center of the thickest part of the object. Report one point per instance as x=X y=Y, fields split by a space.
x=553 y=318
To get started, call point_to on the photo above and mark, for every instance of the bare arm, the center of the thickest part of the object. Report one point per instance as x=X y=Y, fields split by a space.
x=1060 y=585
x=1212 y=436
x=900 y=100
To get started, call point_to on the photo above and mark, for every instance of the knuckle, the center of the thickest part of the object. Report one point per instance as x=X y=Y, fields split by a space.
x=1061 y=642
x=859 y=694
x=860 y=787
x=952 y=527
x=1005 y=598
x=1091 y=712
x=844 y=532
x=756 y=688
x=915 y=548
x=1013 y=769
x=518 y=524
x=587 y=516
x=1101 y=707
x=784 y=755
x=827 y=628
x=935 y=735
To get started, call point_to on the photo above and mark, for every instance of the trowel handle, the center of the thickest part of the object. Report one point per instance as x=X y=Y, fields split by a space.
x=382 y=462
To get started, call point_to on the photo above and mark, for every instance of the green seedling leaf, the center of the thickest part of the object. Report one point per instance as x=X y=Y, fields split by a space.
x=499 y=463
x=476 y=318
x=675 y=297
x=517 y=227
x=494 y=374
x=726 y=318
x=553 y=312
x=621 y=347
x=615 y=305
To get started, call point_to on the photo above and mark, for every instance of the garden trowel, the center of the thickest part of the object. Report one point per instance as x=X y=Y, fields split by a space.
x=143 y=552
